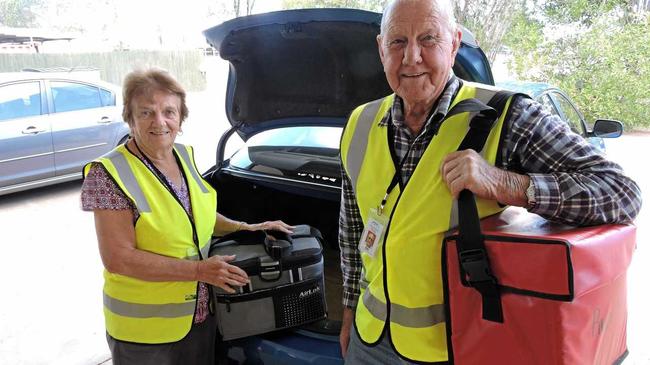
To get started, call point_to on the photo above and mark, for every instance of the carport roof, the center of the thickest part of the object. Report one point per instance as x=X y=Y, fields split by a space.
x=26 y=35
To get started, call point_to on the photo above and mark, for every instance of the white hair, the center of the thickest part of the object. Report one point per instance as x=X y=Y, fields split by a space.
x=444 y=8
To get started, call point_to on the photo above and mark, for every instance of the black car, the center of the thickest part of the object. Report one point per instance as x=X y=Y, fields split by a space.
x=295 y=76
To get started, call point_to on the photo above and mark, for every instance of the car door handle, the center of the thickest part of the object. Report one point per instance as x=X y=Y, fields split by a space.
x=32 y=130
x=105 y=120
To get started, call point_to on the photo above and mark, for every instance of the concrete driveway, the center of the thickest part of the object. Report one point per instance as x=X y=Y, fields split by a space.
x=51 y=272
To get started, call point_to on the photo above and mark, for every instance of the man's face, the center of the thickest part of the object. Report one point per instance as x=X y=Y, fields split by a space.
x=417 y=50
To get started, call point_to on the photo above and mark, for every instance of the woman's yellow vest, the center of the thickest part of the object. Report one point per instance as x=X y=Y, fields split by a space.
x=401 y=287
x=158 y=312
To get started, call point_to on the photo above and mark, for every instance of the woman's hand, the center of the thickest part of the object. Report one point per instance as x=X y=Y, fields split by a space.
x=270 y=226
x=217 y=271
x=224 y=225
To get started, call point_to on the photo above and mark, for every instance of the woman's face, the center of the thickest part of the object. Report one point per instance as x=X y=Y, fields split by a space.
x=156 y=120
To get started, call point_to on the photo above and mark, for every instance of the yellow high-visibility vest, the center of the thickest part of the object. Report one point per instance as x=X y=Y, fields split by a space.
x=401 y=287
x=158 y=312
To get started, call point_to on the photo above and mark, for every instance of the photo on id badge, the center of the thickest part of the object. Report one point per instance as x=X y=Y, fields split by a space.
x=371 y=237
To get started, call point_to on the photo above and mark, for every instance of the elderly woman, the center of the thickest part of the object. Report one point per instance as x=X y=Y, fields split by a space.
x=154 y=218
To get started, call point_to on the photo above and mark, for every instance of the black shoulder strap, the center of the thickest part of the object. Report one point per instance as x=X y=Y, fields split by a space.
x=481 y=125
x=473 y=259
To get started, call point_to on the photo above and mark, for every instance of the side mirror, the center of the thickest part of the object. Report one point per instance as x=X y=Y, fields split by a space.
x=606 y=128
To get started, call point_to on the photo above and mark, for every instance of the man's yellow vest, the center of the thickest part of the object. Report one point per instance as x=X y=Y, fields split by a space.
x=401 y=287
x=158 y=312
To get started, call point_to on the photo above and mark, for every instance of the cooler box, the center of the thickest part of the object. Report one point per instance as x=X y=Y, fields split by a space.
x=286 y=288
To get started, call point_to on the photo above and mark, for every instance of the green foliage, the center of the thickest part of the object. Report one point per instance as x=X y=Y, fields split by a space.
x=605 y=69
x=522 y=39
x=582 y=11
x=525 y=32
x=373 y=5
x=18 y=13
x=488 y=20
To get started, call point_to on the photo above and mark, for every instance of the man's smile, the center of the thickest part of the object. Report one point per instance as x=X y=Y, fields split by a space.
x=418 y=74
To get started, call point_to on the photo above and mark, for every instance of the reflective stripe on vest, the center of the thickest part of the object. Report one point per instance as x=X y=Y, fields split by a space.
x=126 y=175
x=139 y=310
x=359 y=139
x=158 y=312
x=182 y=151
x=407 y=317
x=407 y=268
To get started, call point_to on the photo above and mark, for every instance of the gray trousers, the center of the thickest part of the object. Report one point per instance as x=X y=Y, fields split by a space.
x=198 y=347
x=382 y=353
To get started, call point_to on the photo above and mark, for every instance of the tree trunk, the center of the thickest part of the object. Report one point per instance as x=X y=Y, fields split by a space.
x=249 y=6
x=643 y=5
x=488 y=20
x=235 y=6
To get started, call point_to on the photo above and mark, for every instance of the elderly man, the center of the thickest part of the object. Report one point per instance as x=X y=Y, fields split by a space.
x=402 y=173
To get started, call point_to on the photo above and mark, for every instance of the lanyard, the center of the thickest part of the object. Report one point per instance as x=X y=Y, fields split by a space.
x=161 y=177
x=395 y=179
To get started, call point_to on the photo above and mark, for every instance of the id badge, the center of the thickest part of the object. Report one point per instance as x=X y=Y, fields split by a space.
x=373 y=233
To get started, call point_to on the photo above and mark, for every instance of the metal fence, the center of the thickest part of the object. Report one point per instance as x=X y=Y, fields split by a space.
x=186 y=66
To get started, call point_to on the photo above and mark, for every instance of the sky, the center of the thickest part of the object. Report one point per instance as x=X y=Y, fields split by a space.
x=138 y=24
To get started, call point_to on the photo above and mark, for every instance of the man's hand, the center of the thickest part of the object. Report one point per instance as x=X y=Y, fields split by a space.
x=468 y=170
x=346 y=326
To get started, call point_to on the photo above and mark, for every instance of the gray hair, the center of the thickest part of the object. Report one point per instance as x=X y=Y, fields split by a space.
x=444 y=7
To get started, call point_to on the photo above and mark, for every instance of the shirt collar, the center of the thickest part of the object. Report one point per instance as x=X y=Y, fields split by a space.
x=439 y=109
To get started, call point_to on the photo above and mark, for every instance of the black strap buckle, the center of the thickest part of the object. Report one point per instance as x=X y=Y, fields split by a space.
x=476 y=267
x=479 y=276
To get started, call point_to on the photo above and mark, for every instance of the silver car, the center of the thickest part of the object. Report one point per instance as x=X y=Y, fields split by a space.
x=52 y=124
x=557 y=102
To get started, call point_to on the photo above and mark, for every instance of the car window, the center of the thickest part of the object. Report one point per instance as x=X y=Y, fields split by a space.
x=305 y=153
x=572 y=116
x=20 y=100
x=108 y=98
x=70 y=96
x=324 y=137
x=546 y=102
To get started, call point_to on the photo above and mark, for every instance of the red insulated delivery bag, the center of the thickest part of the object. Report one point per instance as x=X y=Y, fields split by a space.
x=538 y=292
x=521 y=290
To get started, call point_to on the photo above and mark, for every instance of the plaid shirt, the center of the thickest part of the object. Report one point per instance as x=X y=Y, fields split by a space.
x=573 y=183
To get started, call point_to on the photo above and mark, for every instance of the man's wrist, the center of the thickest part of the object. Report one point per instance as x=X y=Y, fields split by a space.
x=512 y=189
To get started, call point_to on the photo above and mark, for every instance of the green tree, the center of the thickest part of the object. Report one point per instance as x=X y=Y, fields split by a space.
x=605 y=70
x=522 y=40
x=18 y=13
x=582 y=11
x=373 y=5
x=488 y=20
